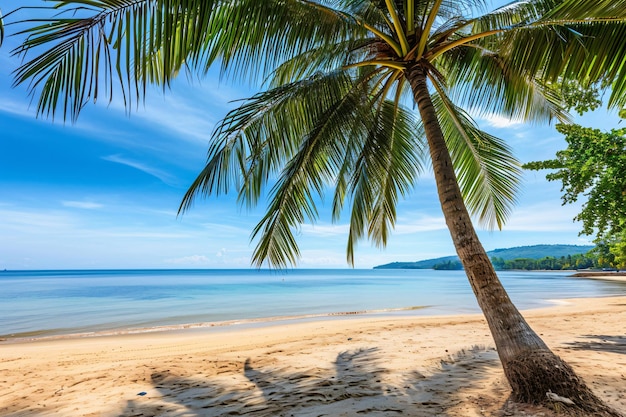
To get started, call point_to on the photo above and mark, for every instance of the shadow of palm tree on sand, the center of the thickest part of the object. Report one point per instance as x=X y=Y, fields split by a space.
x=356 y=387
x=602 y=343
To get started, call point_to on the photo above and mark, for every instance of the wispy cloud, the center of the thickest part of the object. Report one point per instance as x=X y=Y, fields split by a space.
x=139 y=234
x=16 y=108
x=423 y=223
x=325 y=230
x=501 y=122
x=543 y=218
x=187 y=123
x=320 y=258
x=87 y=205
x=189 y=113
x=155 y=172
x=218 y=229
x=189 y=260
x=35 y=222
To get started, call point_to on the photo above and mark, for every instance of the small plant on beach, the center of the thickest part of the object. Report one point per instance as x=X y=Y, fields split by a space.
x=337 y=113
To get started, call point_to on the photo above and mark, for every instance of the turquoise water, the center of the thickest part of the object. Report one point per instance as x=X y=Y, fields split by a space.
x=60 y=302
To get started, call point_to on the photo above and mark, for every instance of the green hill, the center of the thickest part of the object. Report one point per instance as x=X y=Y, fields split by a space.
x=526 y=252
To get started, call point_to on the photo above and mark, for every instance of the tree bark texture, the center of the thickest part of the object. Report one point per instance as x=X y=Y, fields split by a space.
x=529 y=365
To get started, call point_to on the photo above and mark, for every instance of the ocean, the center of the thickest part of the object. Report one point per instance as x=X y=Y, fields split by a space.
x=52 y=303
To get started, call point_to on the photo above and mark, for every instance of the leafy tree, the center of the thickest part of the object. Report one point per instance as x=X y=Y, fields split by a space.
x=448 y=266
x=578 y=97
x=593 y=166
x=336 y=112
x=618 y=250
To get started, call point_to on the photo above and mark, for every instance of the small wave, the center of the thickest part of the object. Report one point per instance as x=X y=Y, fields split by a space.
x=45 y=334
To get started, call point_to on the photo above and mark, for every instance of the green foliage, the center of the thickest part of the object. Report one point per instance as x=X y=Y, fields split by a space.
x=582 y=98
x=617 y=248
x=548 y=263
x=533 y=252
x=448 y=266
x=592 y=165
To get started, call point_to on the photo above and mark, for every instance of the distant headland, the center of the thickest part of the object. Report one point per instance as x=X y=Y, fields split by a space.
x=550 y=257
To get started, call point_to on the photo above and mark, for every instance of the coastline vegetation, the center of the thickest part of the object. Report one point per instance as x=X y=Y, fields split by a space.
x=589 y=260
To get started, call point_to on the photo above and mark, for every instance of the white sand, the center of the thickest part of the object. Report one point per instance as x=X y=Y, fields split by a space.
x=419 y=366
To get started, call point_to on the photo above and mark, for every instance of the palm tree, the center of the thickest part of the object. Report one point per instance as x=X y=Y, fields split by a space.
x=335 y=116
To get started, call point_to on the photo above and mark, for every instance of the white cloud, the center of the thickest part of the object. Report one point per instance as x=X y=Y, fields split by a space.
x=225 y=230
x=188 y=123
x=155 y=172
x=17 y=108
x=87 y=205
x=543 y=218
x=324 y=230
x=187 y=112
x=501 y=122
x=34 y=222
x=136 y=234
x=422 y=224
x=323 y=259
x=189 y=260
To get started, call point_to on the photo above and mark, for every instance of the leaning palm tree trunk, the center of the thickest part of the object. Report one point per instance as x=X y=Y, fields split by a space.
x=531 y=368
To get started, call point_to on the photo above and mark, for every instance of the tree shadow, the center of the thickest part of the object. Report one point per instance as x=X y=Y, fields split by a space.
x=356 y=386
x=601 y=343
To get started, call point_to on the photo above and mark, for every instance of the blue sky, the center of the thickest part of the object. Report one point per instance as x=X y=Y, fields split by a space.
x=104 y=192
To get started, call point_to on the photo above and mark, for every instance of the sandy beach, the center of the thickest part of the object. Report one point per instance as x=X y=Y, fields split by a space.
x=611 y=276
x=410 y=366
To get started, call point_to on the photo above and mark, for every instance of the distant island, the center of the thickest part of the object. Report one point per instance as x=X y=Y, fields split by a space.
x=535 y=257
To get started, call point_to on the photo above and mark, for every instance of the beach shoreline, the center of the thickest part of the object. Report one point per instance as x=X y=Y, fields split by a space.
x=601 y=275
x=214 y=325
x=94 y=303
x=375 y=366
x=261 y=322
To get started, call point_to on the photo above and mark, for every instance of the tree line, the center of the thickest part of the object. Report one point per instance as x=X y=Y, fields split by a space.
x=550 y=263
x=598 y=258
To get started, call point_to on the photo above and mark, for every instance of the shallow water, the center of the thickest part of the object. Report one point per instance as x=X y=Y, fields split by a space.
x=43 y=303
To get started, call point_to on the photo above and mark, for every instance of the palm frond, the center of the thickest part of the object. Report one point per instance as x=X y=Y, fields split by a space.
x=572 y=41
x=254 y=140
x=90 y=49
x=86 y=49
x=487 y=171
x=513 y=14
x=323 y=58
x=385 y=169
x=247 y=48
x=372 y=12
x=486 y=83
x=312 y=168
x=579 y=10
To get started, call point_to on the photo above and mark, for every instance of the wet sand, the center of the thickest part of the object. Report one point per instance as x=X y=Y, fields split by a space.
x=374 y=366
x=608 y=276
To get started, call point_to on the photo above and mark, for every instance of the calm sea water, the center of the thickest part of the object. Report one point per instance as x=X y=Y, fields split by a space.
x=40 y=303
